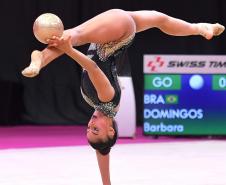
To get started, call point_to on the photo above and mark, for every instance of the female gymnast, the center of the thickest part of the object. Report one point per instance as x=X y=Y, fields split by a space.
x=110 y=34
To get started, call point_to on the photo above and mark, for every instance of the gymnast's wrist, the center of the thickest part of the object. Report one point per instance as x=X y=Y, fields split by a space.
x=69 y=51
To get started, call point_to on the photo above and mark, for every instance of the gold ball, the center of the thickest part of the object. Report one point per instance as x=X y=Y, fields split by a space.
x=46 y=26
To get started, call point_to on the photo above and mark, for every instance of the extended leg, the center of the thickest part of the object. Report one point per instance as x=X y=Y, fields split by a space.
x=40 y=59
x=100 y=29
x=172 y=26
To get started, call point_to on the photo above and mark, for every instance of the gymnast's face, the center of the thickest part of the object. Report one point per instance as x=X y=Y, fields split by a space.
x=99 y=128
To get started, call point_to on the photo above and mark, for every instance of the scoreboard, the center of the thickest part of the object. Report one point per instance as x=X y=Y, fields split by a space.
x=184 y=95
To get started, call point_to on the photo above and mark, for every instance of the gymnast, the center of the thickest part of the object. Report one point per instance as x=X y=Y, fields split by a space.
x=109 y=34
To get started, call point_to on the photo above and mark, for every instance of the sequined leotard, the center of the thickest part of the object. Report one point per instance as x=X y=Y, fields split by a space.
x=105 y=56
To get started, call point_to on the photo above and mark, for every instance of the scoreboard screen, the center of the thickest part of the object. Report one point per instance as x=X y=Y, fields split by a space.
x=183 y=103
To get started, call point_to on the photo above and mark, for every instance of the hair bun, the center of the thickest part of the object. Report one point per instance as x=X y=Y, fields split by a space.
x=105 y=151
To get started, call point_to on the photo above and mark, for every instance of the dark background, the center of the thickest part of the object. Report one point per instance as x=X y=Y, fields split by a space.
x=53 y=97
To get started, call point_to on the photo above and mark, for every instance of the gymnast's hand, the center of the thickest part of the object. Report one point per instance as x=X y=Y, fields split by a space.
x=62 y=43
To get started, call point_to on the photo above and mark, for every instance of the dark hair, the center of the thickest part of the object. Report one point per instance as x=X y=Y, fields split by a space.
x=104 y=147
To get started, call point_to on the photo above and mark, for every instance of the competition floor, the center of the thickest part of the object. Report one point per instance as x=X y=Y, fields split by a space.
x=52 y=156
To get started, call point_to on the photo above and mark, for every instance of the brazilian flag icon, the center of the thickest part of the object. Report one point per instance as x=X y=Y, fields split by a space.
x=171 y=99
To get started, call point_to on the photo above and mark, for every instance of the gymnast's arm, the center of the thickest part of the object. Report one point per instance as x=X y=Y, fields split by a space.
x=104 y=163
x=104 y=89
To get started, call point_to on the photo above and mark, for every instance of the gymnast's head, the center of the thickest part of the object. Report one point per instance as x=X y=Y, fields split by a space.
x=102 y=132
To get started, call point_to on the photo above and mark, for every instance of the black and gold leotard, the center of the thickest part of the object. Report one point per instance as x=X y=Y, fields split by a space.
x=105 y=56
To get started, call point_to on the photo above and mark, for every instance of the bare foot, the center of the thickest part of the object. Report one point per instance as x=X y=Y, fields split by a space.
x=209 y=30
x=36 y=61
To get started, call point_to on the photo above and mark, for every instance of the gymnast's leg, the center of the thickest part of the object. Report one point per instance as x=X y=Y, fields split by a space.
x=100 y=29
x=172 y=26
